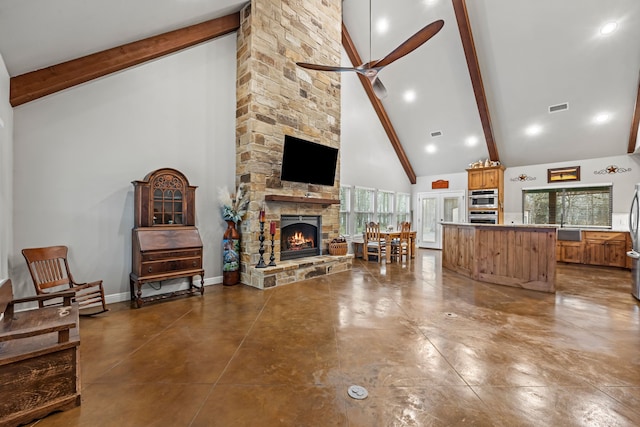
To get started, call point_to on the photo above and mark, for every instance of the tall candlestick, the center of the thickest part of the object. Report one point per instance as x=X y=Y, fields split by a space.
x=262 y=215
x=261 y=263
x=272 y=231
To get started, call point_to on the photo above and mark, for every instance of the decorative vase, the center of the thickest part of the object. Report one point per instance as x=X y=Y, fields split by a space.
x=231 y=255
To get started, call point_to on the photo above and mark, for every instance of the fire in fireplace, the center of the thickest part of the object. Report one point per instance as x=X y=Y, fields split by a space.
x=299 y=236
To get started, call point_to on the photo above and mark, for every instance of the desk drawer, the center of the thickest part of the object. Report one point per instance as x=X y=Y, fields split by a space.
x=165 y=255
x=156 y=267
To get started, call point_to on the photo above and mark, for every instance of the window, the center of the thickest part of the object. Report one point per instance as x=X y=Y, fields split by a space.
x=363 y=208
x=403 y=208
x=345 y=209
x=385 y=209
x=568 y=206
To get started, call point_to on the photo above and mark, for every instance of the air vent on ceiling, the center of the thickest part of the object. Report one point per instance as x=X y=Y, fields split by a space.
x=559 y=107
x=436 y=133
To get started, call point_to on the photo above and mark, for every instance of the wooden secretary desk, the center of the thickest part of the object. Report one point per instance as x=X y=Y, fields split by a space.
x=165 y=242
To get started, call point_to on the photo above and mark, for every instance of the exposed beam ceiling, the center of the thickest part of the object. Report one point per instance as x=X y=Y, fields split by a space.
x=36 y=84
x=460 y=9
x=356 y=61
x=635 y=122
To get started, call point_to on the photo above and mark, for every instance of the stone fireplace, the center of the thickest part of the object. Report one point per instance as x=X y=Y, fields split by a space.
x=299 y=236
x=274 y=98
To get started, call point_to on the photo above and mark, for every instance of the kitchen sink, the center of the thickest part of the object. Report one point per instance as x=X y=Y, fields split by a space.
x=570 y=234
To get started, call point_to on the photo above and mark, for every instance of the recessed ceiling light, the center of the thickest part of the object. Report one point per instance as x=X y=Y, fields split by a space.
x=430 y=2
x=608 y=28
x=409 y=96
x=601 y=118
x=431 y=148
x=533 y=130
x=382 y=25
x=471 y=141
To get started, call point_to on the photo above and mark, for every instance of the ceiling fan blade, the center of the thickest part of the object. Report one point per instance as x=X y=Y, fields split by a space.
x=379 y=89
x=325 y=67
x=411 y=44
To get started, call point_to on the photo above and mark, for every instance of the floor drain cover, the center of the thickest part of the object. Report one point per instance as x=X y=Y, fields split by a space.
x=450 y=315
x=357 y=392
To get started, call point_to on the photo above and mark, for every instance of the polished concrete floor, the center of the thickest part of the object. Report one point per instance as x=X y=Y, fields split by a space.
x=431 y=348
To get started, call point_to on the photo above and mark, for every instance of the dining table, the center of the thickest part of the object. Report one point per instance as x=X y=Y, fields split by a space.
x=388 y=236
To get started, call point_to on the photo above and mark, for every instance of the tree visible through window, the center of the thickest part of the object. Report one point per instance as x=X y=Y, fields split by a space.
x=569 y=206
x=385 y=209
x=345 y=208
x=363 y=208
x=403 y=208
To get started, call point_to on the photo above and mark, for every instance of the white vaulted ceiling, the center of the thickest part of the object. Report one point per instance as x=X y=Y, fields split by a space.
x=532 y=54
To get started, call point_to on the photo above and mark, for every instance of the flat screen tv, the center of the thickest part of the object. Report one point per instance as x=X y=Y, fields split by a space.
x=308 y=162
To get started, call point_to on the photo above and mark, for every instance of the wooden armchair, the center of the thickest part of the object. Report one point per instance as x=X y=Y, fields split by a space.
x=373 y=243
x=39 y=360
x=400 y=246
x=51 y=275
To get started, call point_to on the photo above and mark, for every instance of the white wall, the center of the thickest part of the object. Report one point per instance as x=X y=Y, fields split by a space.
x=367 y=158
x=77 y=151
x=592 y=171
x=6 y=172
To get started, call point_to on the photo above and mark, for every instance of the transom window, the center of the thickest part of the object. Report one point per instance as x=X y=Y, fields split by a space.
x=568 y=206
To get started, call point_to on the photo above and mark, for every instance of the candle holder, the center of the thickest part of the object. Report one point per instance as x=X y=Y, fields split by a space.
x=261 y=263
x=272 y=258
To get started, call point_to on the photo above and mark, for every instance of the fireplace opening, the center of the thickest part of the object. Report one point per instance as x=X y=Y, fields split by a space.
x=299 y=236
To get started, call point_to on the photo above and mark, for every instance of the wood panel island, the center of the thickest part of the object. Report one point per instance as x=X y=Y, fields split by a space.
x=522 y=256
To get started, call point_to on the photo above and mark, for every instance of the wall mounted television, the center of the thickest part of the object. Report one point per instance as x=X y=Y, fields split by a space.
x=308 y=162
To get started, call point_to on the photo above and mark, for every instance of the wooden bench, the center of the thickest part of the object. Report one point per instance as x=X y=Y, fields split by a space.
x=39 y=359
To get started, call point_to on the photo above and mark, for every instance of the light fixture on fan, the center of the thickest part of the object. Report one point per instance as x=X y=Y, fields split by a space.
x=371 y=69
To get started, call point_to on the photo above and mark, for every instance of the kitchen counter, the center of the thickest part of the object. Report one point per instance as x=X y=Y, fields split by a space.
x=515 y=255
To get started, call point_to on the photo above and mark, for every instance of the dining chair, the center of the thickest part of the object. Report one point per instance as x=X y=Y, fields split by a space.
x=400 y=246
x=374 y=244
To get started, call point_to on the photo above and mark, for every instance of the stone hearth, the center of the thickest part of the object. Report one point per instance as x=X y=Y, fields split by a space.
x=299 y=269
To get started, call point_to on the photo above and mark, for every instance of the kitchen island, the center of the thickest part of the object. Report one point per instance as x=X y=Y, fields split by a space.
x=522 y=256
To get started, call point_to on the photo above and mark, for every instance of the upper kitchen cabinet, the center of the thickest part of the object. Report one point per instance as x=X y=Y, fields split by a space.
x=484 y=178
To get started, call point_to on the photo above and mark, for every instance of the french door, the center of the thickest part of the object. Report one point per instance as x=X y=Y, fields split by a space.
x=433 y=208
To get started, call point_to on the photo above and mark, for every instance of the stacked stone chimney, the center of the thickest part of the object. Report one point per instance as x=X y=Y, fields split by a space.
x=275 y=98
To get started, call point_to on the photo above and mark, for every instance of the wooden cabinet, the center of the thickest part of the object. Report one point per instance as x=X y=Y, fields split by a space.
x=489 y=178
x=570 y=252
x=165 y=242
x=484 y=178
x=607 y=248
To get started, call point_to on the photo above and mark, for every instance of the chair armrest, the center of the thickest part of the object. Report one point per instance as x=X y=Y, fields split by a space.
x=46 y=297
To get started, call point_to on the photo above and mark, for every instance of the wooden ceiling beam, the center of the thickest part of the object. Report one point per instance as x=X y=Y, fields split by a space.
x=462 y=17
x=36 y=84
x=353 y=55
x=635 y=122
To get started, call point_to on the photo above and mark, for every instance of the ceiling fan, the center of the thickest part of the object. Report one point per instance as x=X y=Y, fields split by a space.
x=371 y=69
